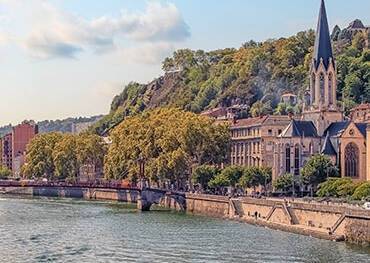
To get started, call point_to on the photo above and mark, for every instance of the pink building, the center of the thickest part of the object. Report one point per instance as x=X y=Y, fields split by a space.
x=14 y=144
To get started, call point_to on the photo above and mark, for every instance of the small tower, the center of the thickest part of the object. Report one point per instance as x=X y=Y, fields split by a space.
x=322 y=107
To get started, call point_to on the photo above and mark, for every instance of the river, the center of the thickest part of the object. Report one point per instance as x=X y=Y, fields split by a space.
x=66 y=230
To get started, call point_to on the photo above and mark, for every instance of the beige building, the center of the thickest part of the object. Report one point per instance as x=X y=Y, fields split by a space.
x=253 y=140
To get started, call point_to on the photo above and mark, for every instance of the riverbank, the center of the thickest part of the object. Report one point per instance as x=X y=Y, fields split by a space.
x=325 y=221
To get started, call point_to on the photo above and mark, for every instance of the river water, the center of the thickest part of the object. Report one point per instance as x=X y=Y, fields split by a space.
x=65 y=230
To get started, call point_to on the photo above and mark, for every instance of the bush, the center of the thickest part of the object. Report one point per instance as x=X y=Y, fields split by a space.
x=362 y=192
x=336 y=187
x=5 y=172
x=204 y=174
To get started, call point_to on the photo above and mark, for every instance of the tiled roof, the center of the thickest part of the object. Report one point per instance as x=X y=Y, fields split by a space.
x=249 y=122
x=336 y=129
x=323 y=48
x=299 y=129
x=328 y=147
x=362 y=128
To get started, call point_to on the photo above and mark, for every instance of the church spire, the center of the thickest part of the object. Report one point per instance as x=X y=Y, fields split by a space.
x=323 y=48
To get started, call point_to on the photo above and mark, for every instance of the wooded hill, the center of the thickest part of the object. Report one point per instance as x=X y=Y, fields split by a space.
x=255 y=75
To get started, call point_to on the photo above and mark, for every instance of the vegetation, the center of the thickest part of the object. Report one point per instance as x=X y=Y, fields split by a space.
x=60 y=156
x=5 y=172
x=362 y=192
x=48 y=126
x=317 y=170
x=283 y=183
x=168 y=142
x=203 y=174
x=344 y=188
x=243 y=177
x=255 y=75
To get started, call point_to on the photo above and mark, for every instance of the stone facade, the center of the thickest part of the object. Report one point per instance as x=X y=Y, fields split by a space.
x=14 y=146
x=285 y=143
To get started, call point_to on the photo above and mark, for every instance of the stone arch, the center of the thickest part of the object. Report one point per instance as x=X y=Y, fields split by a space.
x=352 y=160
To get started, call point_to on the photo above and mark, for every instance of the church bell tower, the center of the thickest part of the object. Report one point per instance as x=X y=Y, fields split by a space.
x=321 y=107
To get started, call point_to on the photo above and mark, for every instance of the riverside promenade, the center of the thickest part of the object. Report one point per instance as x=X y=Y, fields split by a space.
x=337 y=222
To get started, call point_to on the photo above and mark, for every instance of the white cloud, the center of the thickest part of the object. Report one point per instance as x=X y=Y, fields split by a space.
x=50 y=32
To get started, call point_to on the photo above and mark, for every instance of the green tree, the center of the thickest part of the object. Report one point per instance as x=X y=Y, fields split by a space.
x=283 y=183
x=65 y=158
x=259 y=109
x=335 y=187
x=318 y=169
x=39 y=156
x=204 y=174
x=229 y=176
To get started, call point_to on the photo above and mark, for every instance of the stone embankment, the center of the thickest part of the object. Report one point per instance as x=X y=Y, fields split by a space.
x=326 y=221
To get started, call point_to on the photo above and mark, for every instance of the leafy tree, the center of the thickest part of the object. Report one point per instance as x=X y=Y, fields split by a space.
x=256 y=176
x=259 y=109
x=229 y=176
x=318 y=169
x=65 y=158
x=39 y=155
x=284 y=183
x=5 y=172
x=169 y=142
x=204 y=174
x=335 y=187
x=362 y=192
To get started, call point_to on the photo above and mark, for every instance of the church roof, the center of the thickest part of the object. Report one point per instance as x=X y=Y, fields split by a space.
x=336 y=129
x=362 y=128
x=323 y=48
x=299 y=129
x=328 y=147
x=356 y=24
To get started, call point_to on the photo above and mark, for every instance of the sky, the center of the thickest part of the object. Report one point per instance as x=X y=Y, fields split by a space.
x=69 y=58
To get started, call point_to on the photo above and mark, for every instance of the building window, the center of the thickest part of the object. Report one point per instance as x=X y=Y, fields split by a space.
x=313 y=88
x=296 y=159
x=270 y=132
x=331 y=89
x=351 y=160
x=279 y=132
x=287 y=158
x=322 y=87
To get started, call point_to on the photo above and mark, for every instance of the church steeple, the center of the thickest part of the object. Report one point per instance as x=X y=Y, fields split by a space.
x=321 y=106
x=323 y=48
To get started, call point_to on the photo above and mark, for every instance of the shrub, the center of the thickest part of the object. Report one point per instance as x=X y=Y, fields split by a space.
x=362 y=192
x=336 y=187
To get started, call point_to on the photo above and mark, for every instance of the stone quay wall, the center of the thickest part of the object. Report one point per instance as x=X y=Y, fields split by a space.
x=327 y=221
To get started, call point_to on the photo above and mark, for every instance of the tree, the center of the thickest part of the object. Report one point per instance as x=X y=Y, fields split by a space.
x=204 y=174
x=169 y=142
x=5 y=173
x=283 y=183
x=65 y=158
x=336 y=187
x=39 y=156
x=318 y=169
x=256 y=176
x=229 y=176
x=259 y=109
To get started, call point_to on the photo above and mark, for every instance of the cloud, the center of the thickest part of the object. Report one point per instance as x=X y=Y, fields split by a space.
x=52 y=32
x=149 y=53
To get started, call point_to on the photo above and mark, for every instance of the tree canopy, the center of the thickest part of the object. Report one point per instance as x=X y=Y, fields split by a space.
x=169 y=142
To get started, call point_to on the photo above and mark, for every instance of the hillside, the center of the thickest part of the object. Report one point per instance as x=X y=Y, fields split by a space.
x=255 y=74
x=64 y=125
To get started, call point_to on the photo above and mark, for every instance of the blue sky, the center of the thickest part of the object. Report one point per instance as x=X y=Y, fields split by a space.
x=66 y=58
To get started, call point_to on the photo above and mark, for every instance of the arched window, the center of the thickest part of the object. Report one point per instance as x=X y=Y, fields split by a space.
x=313 y=88
x=322 y=87
x=296 y=159
x=331 y=89
x=351 y=160
x=287 y=158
